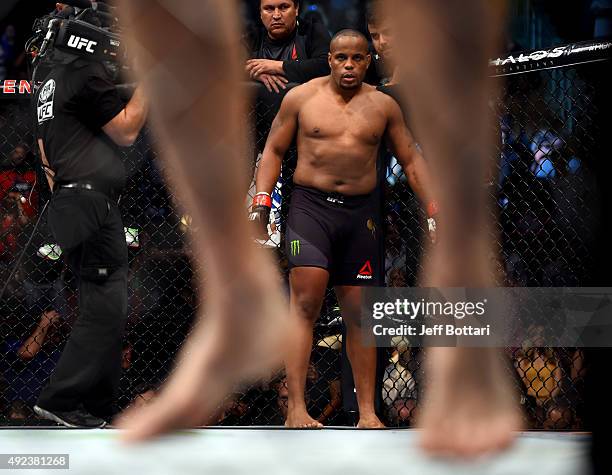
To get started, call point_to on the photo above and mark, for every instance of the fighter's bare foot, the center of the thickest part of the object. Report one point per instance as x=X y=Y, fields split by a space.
x=469 y=432
x=241 y=339
x=469 y=407
x=370 y=422
x=300 y=419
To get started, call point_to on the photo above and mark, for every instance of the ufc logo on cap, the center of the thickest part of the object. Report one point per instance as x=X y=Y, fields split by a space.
x=80 y=43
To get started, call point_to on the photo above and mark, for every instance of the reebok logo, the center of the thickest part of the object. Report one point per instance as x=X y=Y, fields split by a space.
x=365 y=273
x=81 y=43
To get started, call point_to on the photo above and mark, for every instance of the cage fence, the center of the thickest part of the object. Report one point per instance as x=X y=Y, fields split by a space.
x=545 y=209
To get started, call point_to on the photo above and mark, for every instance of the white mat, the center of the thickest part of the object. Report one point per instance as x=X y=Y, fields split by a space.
x=286 y=452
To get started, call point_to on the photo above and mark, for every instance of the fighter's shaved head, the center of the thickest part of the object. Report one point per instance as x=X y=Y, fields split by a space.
x=348 y=33
x=349 y=59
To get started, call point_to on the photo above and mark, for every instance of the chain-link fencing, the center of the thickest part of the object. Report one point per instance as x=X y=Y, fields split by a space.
x=546 y=215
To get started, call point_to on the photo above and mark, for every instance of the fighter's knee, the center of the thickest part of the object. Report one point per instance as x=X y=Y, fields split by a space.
x=305 y=307
x=353 y=324
x=351 y=312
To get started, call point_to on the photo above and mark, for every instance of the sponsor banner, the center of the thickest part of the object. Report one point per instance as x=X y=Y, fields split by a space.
x=560 y=56
x=516 y=63
x=14 y=87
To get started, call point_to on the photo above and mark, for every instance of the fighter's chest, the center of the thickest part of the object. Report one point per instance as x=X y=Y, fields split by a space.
x=329 y=121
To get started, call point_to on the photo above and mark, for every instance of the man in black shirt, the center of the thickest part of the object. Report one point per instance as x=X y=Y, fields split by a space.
x=284 y=52
x=80 y=121
x=286 y=49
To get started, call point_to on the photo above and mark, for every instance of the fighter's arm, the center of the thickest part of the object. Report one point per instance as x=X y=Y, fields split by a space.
x=281 y=135
x=402 y=145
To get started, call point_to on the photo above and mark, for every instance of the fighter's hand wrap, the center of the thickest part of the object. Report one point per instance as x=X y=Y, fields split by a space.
x=260 y=211
x=432 y=211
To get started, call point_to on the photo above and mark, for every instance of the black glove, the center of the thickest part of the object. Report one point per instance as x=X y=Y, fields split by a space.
x=260 y=214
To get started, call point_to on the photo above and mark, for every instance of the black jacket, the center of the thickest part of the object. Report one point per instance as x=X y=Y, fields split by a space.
x=311 y=43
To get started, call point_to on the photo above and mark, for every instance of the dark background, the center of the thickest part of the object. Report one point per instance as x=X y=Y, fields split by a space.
x=531 y=23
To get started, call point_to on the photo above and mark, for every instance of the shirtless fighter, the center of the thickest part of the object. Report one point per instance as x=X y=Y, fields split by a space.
x=199 y=58
x=332 y=230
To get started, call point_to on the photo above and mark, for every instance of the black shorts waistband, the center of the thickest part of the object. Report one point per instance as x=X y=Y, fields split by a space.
x=336 y=198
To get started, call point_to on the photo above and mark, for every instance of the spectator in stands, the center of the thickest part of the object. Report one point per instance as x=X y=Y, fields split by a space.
x=323 y=393
x=311 y=396
x=403 y=412
x=324 y=390
x=27 y=363
x=132 y=381
x=12 y=220
x=602 y=12
x=19 y=178
x=232 y=411
x=282 y=400
x=8 y=49
x=33 y=344
x=542 y=375
x=400 y=390
x=395 y=249
x=19 y=411
x=544 y=145
x=397 y=278
x=398 y=383
x=126 y=356
x=144 y=394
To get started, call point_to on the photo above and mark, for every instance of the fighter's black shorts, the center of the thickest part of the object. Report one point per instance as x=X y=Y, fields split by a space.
x=335 y=232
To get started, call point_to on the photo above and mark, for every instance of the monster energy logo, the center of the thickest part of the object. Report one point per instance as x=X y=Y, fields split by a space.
x=295 y=247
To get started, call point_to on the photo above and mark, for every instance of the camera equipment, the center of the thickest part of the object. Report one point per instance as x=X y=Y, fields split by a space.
x=81 y=29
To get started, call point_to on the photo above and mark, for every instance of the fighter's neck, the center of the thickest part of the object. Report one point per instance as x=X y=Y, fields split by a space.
x=345 y=94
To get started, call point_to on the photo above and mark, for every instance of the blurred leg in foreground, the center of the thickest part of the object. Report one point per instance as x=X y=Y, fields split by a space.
x=469 y=405
x=188 y=58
